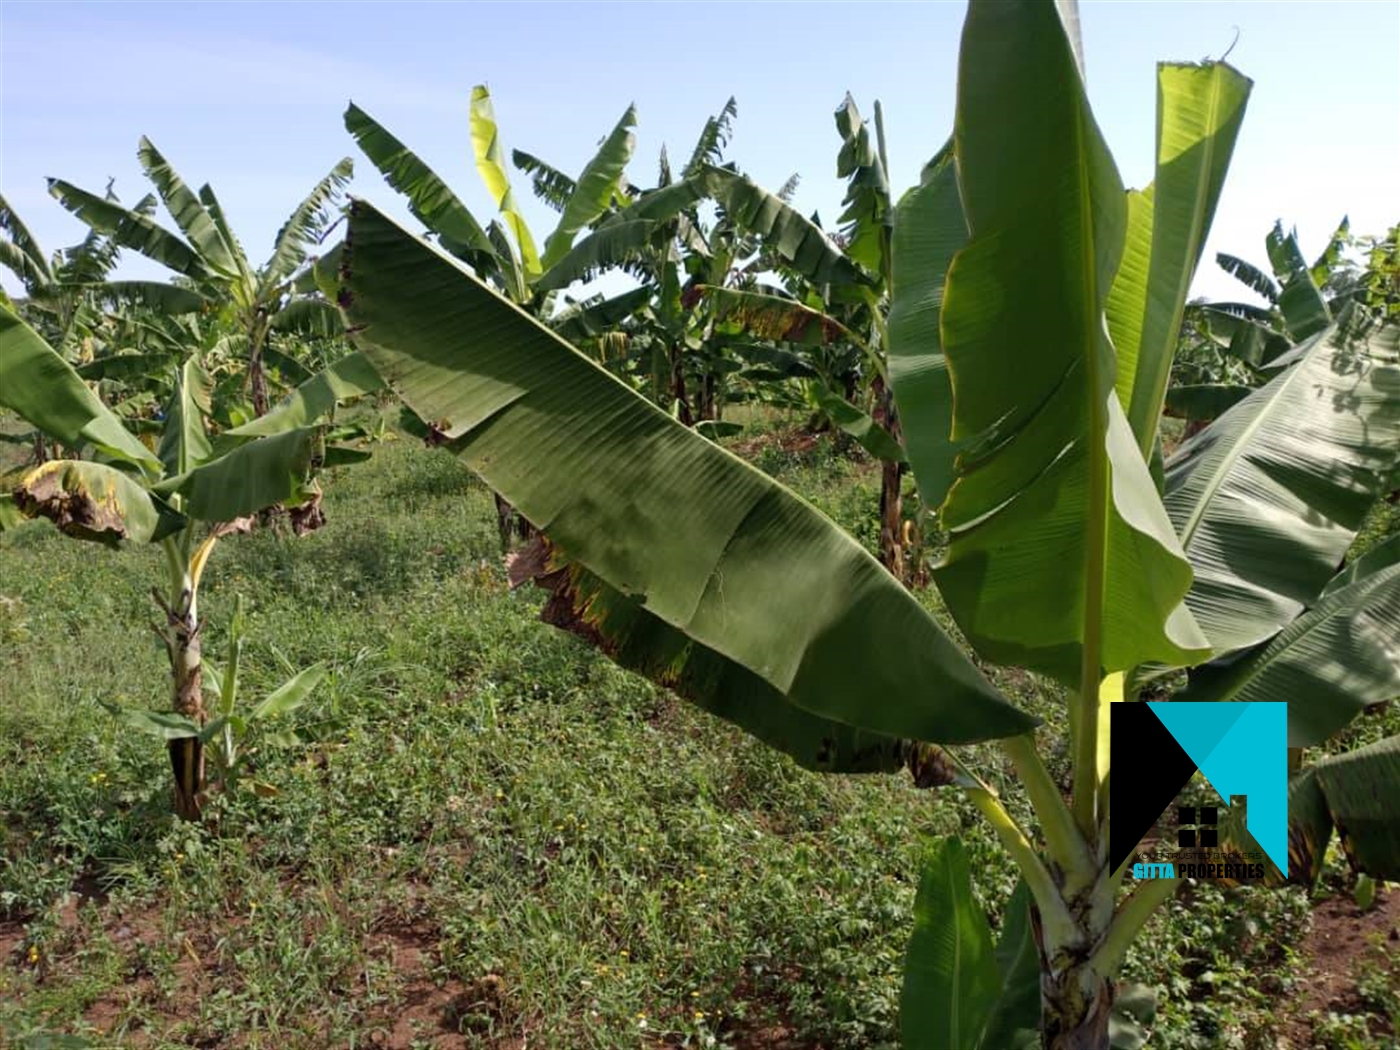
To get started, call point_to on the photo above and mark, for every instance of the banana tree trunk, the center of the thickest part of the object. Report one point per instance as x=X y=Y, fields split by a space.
x=678 y=387
x=707 y=397
x=257 y=377
x=505 y=522
x=1075 y=1005
x=182 y=641
x=41 y=455
x=891 y=478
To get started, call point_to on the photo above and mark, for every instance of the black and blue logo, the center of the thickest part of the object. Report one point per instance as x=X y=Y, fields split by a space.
x=1240 y=748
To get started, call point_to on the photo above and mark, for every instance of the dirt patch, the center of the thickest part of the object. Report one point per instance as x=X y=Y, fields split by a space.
x=12 y=938
x=794 y=441
x=1336 y=951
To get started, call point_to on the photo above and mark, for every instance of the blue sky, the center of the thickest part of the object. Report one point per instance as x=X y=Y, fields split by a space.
x=249 y=96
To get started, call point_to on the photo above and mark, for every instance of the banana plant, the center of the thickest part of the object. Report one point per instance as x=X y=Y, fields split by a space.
x=1032 y=434
x=226 y=737
x=254 y=302
x=1239 y=346
x=196 y=487
x=66 y=292
x=836 y=294
x=599 y=227
x=1300 y=462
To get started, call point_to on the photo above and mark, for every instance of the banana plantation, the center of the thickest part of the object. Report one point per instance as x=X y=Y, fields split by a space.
x=694 y=625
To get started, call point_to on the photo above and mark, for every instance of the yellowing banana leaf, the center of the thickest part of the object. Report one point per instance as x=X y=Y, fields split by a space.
x=491 y=164
x=1199 y=110
x=632 y=637
x=92 y=501
x=1358 y=794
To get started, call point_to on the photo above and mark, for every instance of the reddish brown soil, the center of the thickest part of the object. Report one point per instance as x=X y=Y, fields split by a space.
x=793 y=442
x=1335 y=953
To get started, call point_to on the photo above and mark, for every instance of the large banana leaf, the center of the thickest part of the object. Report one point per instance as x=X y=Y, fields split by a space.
x=597 y=184
x=187 y=210
x=132 y=230
x=1305 y=311
x=871 y=436
x=308 y=316
x=34 y=278
x=29 y=256
x=644 y=643
x=350 y=376
x=1060 y=555
x=951 y=978
x=929 y=231
x=1205 y=401
x=1267 y=499
x=593 y=319
x=612 y=244
x=253 y=476
x=1250 y=275
x=1358 y=793
x=128 y=366
x=714 y=136
x=429 y=199
x=43 y=388
x=1329 y=664
x=866 y=219
x=184 y=444
x=550 y=184
x=210 y=200
x=163 y=298
x=491 y=163
x=306 y=223
x=1199 y=110
x=704 y=542
x=800 y=242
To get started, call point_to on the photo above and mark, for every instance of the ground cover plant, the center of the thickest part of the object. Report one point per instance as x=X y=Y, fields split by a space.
x=586 y=814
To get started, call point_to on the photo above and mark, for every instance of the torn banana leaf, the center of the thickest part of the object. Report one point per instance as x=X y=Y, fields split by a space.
x=700 y=539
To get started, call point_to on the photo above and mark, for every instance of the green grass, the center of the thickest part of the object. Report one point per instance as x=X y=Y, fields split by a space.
x=482 y=827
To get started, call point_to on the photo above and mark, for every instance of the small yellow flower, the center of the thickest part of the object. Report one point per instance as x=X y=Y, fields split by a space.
x=695 y=995
x=33 y=954
x=699 y=1015
x=623 y=953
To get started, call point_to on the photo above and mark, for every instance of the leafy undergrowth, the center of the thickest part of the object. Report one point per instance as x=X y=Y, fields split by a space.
x=484 y=833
